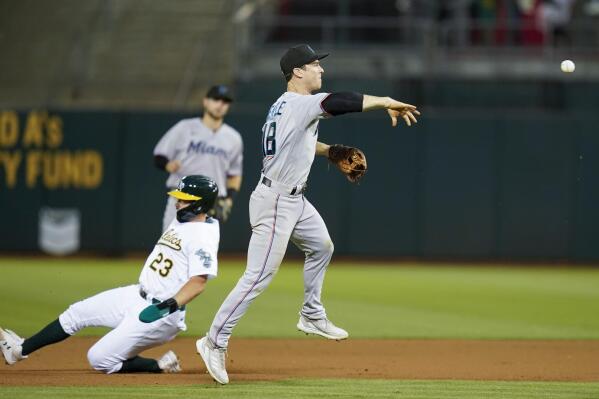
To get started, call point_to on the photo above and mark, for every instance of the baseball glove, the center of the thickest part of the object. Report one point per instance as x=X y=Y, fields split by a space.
x=350 y=161
x=222 y=208
x=158 y=311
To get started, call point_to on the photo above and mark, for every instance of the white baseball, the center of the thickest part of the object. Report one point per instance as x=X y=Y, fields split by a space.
x=568 y=66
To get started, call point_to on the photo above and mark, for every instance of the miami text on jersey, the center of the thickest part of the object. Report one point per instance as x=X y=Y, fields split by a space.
x=203 y=148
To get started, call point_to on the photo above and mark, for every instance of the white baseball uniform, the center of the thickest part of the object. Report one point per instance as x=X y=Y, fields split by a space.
x=279 y=212
x=202 y=151
x=183 y=251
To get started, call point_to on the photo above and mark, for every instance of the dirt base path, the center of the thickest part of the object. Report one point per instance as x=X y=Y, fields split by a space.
x=261 y=359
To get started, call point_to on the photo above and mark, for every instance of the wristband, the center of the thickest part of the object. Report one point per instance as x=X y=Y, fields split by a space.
x=231 y=193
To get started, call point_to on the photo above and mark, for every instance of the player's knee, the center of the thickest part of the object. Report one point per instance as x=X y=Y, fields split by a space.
x=324 y=249
x=96 y=358
x=71 y=319
x=100 y=360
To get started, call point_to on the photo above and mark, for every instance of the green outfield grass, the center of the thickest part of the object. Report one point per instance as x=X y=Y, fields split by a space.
x=374 y=301
x=323 y=389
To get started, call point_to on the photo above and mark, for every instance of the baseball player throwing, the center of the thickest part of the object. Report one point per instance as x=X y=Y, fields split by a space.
x=280 y=212
x=151 y=312
x=205 y=146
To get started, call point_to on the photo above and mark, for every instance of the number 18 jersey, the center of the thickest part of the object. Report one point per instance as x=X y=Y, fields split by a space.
x=184 y=250
x=289 y=137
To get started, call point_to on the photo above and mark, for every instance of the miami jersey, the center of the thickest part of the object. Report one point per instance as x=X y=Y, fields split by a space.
x=184 y=250
x=202 y=152
x=289 y=137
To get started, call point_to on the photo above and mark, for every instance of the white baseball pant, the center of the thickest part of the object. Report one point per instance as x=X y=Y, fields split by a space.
x=119 y=309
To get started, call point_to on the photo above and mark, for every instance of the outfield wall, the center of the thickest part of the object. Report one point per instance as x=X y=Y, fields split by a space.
x=515 y=185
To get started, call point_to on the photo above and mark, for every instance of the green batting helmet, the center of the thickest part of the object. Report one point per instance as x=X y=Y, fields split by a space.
x=197 y=188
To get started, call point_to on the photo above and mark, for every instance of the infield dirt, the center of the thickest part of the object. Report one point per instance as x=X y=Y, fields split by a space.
x=275 y=359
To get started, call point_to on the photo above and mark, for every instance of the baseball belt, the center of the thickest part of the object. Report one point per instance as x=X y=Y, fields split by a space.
x=144 y=295
x=295 y=190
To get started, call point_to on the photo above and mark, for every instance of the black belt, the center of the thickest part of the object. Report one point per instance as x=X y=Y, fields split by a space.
x=144 y=295
x=267 y=182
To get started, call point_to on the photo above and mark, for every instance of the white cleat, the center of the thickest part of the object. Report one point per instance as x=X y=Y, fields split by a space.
x=10 y=344
x=214 y=358
x=169 y=363
x=322 y=327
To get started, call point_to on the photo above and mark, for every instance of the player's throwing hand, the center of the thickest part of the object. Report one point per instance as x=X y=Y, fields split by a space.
x=406 y=111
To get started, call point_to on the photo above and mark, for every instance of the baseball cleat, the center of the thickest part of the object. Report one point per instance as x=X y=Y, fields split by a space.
x=322 y=327
x=10 y=344
x=169 y=363
x=214 y=359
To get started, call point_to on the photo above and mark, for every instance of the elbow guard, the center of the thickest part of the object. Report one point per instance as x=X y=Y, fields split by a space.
x=343 y=103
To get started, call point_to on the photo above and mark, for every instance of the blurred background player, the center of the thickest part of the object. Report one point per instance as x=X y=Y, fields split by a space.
x=176 y=271
x=205 y=146
x=279 y=211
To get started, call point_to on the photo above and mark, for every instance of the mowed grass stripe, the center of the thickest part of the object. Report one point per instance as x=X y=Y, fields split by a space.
x=369 y=300
x=323 y=389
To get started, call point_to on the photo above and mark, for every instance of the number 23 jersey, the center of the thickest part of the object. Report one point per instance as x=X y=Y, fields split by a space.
x=184 y=250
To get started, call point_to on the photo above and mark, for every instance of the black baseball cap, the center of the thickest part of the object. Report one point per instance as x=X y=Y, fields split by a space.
x=298 y=56
x=220 y=92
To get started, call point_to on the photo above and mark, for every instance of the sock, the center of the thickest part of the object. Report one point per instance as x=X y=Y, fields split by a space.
x=50 y=334
x=140 y=364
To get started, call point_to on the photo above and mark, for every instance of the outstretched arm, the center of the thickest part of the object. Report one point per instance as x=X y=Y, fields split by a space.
x=345 y=102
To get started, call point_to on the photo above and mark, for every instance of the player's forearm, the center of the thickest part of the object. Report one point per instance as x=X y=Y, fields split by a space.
x=190 y=290
x=346 y=102
x=234 y=183
x=322 y=149
x=371 y=103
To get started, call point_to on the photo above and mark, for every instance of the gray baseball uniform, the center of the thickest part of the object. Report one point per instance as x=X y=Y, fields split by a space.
x=279 y=212
x=202 y=151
